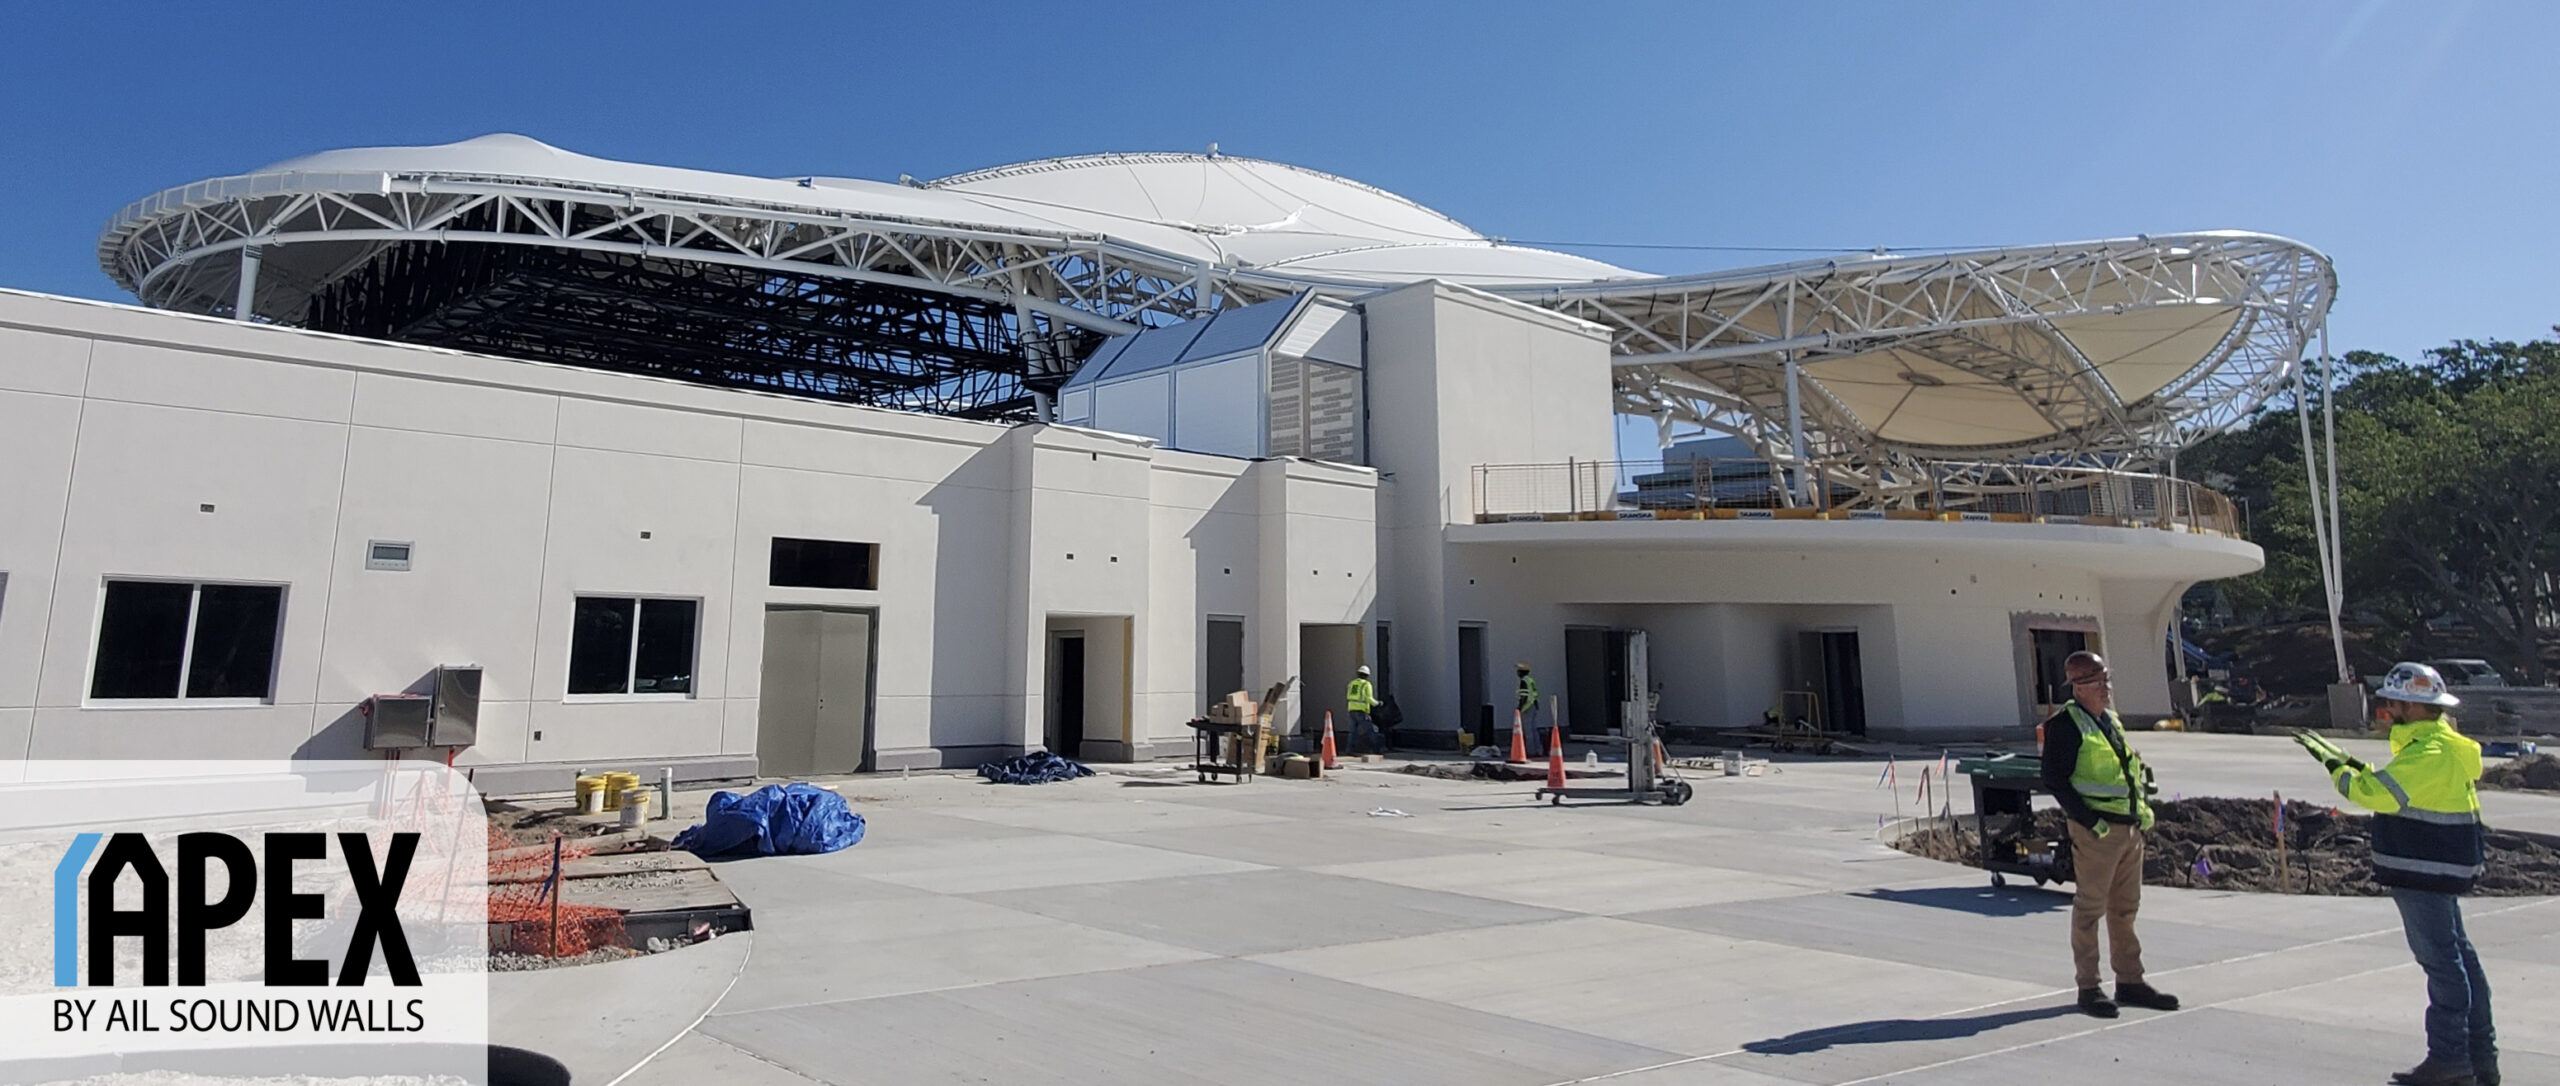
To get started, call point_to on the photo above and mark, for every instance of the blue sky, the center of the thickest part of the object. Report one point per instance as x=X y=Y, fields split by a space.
x=2411 y=141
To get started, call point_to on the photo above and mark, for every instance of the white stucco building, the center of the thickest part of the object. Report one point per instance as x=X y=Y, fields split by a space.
x=221 y=537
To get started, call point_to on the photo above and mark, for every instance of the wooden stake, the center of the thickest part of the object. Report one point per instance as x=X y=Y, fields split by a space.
x=556 y=887
x=2284 y=859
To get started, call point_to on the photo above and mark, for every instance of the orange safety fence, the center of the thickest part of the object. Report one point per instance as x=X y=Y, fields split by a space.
x=526 y=913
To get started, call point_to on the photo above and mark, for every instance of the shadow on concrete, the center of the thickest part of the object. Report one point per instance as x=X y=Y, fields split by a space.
x=495 y=1065
x=1978 y=900
x=1166 y=784
x=1895 y=1030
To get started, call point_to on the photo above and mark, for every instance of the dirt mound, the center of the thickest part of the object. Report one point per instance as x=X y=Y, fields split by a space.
x=2229 y=844
x=2531 y=773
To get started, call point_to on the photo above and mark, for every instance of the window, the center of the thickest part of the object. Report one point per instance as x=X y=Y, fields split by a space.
x=164 y=639
x=824 y=563
x=621 y=645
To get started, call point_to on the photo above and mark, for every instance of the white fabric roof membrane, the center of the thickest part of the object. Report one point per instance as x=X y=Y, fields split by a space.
x=1241 y=212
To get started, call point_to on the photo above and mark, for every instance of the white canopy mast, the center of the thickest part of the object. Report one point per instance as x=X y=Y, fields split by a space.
x=2326 y=530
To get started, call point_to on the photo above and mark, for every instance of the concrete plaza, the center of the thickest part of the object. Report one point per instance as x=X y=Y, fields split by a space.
x=1138 y=928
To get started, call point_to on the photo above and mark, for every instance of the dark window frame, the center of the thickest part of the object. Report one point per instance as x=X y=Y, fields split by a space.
x=636 y=622
x=190 y=681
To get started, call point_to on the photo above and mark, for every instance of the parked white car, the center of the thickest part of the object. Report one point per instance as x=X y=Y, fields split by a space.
x=2468 y=673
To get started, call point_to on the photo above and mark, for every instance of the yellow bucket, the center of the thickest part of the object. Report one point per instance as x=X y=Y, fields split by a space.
x=615 y=784
x=590 y=794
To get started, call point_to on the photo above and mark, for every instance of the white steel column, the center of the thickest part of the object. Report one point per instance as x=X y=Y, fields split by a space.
x=244 y=305
x=2325 y=529
x=1795 y=403
x=2337 y=528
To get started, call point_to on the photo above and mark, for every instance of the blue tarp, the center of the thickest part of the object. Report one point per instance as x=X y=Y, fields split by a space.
x=1037 y=767
x=774 y=820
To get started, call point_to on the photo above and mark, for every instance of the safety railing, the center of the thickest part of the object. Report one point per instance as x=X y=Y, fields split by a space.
x=1713 y=489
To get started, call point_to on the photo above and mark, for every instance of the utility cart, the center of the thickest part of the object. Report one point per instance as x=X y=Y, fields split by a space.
x=1225 y=748
x=2004 y=794
x=1649 y=779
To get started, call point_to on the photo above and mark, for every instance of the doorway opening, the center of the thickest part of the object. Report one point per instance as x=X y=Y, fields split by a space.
x=1475 y=708
x=2048 y=648
x=1222 y=658
x=1085 y=701
x=1600 y=669
x=1828 y=664
x=1328 y=654
x=1064 y=733
x=813 y=707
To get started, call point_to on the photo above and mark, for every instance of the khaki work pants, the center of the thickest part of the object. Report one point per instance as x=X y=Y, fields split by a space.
x=2108 y=873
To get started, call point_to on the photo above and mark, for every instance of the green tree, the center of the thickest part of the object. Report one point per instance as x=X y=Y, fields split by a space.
x=2450 y=489
x=2449 y=471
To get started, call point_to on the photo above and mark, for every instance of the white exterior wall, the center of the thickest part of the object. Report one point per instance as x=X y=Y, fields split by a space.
x=1937 y=625
x=1458 y=378
x=524 y=485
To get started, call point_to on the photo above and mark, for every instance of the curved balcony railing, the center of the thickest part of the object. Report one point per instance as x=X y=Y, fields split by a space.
x=1708 y=489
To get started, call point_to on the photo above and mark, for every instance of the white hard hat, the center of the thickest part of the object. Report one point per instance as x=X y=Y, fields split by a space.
x=2417 y=683
x=1364 y=669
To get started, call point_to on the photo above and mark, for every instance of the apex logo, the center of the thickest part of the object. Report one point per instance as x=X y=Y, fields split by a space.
x=376 y=893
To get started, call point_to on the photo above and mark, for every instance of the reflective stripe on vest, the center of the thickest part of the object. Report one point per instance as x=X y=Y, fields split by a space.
x=2428 y=867
x=2434 y=839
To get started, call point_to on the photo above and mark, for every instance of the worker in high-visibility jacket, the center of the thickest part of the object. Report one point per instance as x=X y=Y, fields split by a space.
x=2429 y=847
x=1528 y=707
x=1363 y=699
x=2104 y=790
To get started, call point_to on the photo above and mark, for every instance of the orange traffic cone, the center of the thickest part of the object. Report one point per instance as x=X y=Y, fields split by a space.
x=1519 y=741
x=1329 y=763
x=1555 y=758
x=1660 y=760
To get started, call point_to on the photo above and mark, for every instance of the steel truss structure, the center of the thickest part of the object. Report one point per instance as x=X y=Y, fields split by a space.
x=862 y=298
x=724 y=294
x=1731 y=351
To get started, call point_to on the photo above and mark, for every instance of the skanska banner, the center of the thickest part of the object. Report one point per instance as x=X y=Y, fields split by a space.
x=258 y=919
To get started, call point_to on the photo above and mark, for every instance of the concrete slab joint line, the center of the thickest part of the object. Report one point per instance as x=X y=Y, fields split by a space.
x=690 y=1027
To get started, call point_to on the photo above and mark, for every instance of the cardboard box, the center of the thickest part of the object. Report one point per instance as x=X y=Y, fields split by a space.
x=1235 y=708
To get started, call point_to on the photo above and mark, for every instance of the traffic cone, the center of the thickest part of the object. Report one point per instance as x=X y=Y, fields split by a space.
x=1329 y=763
x=1555 y=758
x=1519 y=741
x=1660 y=759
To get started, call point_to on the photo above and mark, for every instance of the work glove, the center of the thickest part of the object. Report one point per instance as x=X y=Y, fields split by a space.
x=2142 y=818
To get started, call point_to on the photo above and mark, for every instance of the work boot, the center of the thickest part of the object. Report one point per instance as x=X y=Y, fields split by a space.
x=2484 y=1071
x=2095 y=1004
x=2138 y=994
x=2431 y=1073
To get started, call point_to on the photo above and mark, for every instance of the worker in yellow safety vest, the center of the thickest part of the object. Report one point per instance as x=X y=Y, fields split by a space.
x=1528 y=706
x=1363 y=699
x=2429 y=847
x=2105 y=791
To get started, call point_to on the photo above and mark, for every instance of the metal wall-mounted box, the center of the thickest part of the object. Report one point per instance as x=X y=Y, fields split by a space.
x=457 y=705
x=397 y=721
